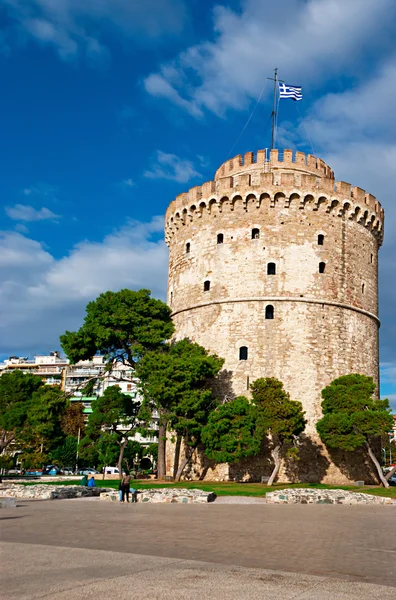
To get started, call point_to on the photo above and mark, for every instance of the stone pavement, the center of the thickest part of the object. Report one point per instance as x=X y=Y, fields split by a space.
x=72 y=549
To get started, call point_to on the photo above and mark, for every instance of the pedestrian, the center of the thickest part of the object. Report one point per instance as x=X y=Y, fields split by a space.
x=84 y=481
x=91 y=482
x=120 y=491
x=125 y=486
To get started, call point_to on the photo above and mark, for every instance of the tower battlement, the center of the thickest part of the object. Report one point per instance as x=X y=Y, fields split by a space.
x=282 y=184
x=273 y=160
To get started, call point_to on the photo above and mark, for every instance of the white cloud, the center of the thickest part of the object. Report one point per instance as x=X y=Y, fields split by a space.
x=156 y=85
x=24 y=212
x=309 y=40
x=127 y=184
x=170 y=166
x=41 y=297
x=74 y=27
x=21 y=228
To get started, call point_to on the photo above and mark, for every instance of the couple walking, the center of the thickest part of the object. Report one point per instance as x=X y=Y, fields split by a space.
x=125 y=486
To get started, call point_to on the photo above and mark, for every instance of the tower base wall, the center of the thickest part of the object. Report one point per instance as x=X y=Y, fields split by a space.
x=306 y=346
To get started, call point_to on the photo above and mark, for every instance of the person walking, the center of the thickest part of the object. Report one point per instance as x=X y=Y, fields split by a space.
x=125 y=487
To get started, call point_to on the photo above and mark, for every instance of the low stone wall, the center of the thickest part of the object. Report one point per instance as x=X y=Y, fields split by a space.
x=307 y=496
x=48 y=492
x=166 y=496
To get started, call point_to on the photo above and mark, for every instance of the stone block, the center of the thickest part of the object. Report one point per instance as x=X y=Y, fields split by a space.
x=7 y=502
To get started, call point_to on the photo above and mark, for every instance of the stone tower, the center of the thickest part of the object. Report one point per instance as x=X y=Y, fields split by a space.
x=273 y=266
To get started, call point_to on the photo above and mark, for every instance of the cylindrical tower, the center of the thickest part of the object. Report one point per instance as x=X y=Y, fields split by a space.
x=273 y=266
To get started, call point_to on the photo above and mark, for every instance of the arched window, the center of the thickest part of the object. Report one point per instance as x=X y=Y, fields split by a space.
x=188 y=246
x=271 y=269
x=322 y=267
x=255 y=234
x=269 y=311
x=220 y=238
x=362 y=288
x=243 y=353
x=206 y=286
x=320 y=239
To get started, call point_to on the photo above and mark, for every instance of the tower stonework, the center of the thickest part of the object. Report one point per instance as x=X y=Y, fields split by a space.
x=274 y=267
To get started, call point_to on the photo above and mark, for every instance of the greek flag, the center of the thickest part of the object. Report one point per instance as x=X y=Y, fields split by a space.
x=289 y=91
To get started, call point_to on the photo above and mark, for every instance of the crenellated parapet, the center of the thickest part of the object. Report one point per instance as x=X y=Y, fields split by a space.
x=275 y=160
x=277 y=189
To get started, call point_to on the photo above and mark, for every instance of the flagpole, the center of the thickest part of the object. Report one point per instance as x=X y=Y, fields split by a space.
x=273 y=115
x=274 y=110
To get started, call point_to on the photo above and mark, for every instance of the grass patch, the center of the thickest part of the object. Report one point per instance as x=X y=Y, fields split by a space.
x=229 y=488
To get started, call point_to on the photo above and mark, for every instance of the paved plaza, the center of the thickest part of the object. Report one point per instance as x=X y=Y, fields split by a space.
x=72 y=549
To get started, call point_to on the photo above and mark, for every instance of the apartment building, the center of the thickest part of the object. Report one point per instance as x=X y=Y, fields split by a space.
x=49 y=368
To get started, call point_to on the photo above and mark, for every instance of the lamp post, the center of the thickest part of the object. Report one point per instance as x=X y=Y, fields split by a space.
x=78 y=443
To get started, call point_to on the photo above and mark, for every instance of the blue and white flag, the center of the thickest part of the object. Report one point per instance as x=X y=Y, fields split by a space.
x=290 y=91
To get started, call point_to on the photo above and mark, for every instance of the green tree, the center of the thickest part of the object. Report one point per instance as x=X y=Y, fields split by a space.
x=16 y=390
x=278 y=418
x=151 y=450
x=133 y=449
x=72 y=421
x=65 y=454
x=231 y=434
x=353 y=417
x=88 y=389
x=121 y=326
x=116 y=414
x=43 y=431
x=108 y=447
x=177 y=380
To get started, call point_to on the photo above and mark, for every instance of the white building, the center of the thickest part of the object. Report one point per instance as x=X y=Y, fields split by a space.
x=49 y=368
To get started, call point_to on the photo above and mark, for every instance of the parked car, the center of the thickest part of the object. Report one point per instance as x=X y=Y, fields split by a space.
x=14 y=471
x=51 y=470
x=111 y=471
x=35 y=472
x=67 y=471
x=392 y=479
x=88 y=471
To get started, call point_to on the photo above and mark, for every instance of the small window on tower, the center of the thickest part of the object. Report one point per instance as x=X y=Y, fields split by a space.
x=243 y=353
x=371 y=258
x=269 y=311
x=362 y=288
x=255 y=234
x=320 y=239
x=220 y=238
x=322 y=267
x=188 y=246
x=206 y=286
x=271 y=269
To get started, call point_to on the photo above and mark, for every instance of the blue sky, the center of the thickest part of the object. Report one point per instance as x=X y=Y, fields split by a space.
x=109 y=108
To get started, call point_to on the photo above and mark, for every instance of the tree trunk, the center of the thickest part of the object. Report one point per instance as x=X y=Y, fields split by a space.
x=162 y=450
x=123 y=445
x=390 y=473
x=275 y=453
x=186 y=460
x=177 y=456
x=377 y=466
x=4 y=441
